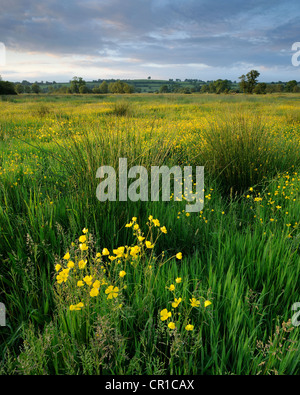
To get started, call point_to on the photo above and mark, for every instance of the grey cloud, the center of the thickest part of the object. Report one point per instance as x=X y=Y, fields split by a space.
x=209 y=32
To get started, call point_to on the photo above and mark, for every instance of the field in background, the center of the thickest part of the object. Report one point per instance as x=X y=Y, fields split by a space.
x=241 y=253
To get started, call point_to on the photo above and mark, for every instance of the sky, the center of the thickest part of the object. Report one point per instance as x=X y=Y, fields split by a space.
x=55 y=40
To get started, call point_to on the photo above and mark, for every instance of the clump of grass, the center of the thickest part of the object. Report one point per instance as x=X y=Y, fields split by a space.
x=41 y=110
x=122 y=109
x=242 y=150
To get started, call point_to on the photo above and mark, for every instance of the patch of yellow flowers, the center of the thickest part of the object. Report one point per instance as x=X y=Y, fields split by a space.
x=165 y=315
x=85 y=276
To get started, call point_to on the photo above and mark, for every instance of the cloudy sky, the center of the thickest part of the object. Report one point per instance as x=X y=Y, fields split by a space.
x=95 y=39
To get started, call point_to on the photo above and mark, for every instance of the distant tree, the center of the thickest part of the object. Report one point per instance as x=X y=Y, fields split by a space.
x=220 y=86
x=35 y=88
x=204 y=88
x=120 y=87
x=64 y=90
x=164 y=89
x=128 y=88
x=103 y=87
x=51 y=89
x=252 y=78
x=260 y=89
x=116 y=87
x=243 y=84
x=248 y=82
x=27 y=89
x=289 y=87
x=83 y=89
x=186 y=90
x=279 y=88
x=76 y=83
x=19 y=88
x=274 y=88
x=111 y=87
x=96 y=89
x=296 y=89
x=7 y=88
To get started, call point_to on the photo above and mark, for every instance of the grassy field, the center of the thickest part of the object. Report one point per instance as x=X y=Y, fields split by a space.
x=123 y=288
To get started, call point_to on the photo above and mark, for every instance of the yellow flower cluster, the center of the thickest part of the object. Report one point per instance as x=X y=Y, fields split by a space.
x=88 y=277
x=275 y=203
x=76 y=307
x=165 y=314
x=85 y=277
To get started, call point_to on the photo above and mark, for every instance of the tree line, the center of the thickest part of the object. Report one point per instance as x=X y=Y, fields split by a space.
x=248 y=84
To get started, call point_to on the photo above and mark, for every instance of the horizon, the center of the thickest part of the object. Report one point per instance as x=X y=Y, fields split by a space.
x=159 y=38
x=168 y=80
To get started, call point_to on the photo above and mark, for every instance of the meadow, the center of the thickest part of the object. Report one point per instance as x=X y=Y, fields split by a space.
x=146 y=288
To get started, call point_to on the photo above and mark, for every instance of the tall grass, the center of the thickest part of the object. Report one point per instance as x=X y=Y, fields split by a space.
x=243 y=150
x=241 y=252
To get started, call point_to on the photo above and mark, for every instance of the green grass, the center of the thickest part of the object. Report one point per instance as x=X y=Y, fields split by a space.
x=241 y=253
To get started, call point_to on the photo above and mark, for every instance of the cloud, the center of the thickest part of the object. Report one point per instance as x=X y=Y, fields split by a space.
x=130 y=34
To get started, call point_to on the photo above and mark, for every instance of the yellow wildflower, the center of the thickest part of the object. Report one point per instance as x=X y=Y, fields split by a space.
x=70 y=264
x=149 y=244
x=96 y=284
x=76 y=307
x=94 y=292
x=176 y=302
x=171 y=325
x=88 y=280
x=82 y=264
x=112 y=292
x=171 y=287
x=105 y=251
x=82 y=239
x=189 y=327
x=83 y=247
x=119 y=252
x=195 y=302
x=134 y=251
x=156 y=222
x=165 y=314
